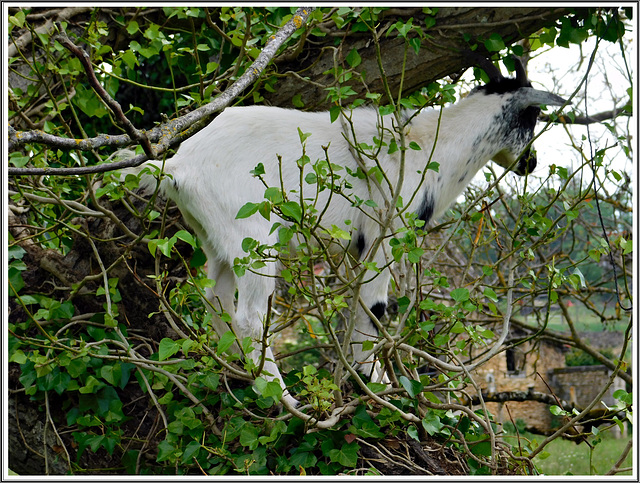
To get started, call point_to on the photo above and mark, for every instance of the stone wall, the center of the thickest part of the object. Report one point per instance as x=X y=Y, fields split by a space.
x=580 y=385
x=524 y=368
x=520 y=370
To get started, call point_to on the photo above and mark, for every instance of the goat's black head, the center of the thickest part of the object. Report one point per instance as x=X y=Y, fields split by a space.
x=520 y=110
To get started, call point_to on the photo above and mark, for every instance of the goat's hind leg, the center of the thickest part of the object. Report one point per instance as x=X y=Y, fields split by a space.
x=254 y=291
x=220 y=298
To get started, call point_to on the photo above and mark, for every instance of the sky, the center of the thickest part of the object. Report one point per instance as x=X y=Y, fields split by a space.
x=561 y=71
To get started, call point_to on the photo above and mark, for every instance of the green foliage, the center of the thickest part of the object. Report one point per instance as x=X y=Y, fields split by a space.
x=577 y=357
x=78 y=345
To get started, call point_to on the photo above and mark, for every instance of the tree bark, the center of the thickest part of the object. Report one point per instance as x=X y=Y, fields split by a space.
x=33 y=445
x=440 y=54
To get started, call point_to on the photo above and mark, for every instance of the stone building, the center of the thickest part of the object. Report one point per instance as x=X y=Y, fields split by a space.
x=526 y=367
x=540 y=367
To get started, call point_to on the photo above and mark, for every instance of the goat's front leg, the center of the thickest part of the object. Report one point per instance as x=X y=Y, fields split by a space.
x=254 y=291
x=374 y=295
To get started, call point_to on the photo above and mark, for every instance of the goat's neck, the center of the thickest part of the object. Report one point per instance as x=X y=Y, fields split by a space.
x=468 y=136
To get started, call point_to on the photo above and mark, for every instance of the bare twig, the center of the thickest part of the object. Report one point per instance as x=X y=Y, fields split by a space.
x=584 y=120
x=616 y=467
x=133 y=133
x=26 y=38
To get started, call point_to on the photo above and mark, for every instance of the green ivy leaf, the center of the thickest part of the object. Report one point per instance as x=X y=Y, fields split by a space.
x=111 y=374
x=167 y=348
x=494 y=43
x=132 y=27
x=431 y=423
x=191 y=451
x=416 y=42
x=347 y=455
x=433 y=166
x=353 y=58
x=247 y=210
x=303 y=459
x=376 y=386
x=59 y=381
x=403 y=304
x=367 y=429
x=577 y=279
x=556 y=410
x=16 y=282
x=249 y=436
x=490 y=294
x=334 y=112
x=543 y=455
x=165 y=451
x=18 y=18
x=415 y=254
x=211 y=380
x=92 y=385
x=412 y=431
x=412 y=387
x=460 y=294
x=187 y=237
x=274 y=195
x=226 y=340
x=440 y=339
x=297 y=101
x=291 y=209
x=268 y=389
x=482 y=448
x=623 y=396
x=339 y=233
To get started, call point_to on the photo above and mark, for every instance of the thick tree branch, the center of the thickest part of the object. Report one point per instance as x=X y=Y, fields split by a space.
x=440 y=55
x=168 y=134
x=531 y=395
x=594 y=417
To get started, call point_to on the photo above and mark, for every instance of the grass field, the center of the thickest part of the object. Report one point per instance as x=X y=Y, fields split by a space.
x=585 y=320
x=568 y=458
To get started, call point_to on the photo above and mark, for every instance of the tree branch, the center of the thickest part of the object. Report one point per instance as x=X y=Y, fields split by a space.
x=440 y=54
x=27 y=37
x=592 y=119
x=133 y=133
x=531 y=395
x=168 y=134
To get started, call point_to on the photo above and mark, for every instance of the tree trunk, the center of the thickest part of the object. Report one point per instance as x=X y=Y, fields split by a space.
x=440 y=54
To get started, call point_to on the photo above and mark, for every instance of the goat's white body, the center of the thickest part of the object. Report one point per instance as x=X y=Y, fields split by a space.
x=212 y=169
x=210 y=181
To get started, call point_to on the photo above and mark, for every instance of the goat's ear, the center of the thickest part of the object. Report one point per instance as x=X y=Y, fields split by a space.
x=535 y=97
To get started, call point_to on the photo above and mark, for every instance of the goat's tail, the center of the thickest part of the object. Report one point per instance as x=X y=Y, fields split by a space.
x=148 y=172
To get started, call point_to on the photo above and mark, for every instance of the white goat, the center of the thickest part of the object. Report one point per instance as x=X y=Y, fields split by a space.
x=210 y=180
